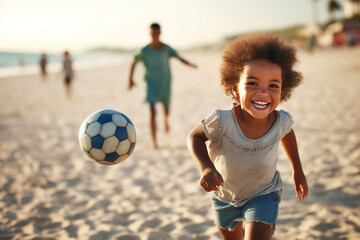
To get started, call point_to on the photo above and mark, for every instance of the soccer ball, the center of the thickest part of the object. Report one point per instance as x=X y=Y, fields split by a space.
x=107 y=137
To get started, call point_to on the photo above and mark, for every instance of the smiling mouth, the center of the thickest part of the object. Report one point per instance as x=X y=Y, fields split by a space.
x=260 y=104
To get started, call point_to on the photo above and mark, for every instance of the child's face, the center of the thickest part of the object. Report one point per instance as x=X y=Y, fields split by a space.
x=259 y=88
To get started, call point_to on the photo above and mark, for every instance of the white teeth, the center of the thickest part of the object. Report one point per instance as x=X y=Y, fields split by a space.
x=260 y=104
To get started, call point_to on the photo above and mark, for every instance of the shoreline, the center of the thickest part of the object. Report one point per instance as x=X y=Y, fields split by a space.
x=80 y=61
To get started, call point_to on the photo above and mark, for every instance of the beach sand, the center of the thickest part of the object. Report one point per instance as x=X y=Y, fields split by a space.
x=50 y=190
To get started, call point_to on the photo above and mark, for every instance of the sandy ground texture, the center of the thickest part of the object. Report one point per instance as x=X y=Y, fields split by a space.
x=50 y=190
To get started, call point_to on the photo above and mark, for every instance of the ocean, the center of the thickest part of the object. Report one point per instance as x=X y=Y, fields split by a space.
x=18 y=63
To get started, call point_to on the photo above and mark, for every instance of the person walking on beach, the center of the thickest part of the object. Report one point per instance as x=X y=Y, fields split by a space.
x=155 y=57
x=68 y=72
x=239 y=164
x=43 y=63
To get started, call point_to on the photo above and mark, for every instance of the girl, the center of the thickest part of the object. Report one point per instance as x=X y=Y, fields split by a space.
x=69 y=73
x=239 y=164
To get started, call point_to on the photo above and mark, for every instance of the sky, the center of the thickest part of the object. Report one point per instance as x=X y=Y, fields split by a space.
x=78 y=25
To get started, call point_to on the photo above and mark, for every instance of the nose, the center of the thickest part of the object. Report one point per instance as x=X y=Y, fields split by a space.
x=262 y=91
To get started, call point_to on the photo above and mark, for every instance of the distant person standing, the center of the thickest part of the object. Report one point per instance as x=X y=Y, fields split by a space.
x=69 y=73
x=155 y=57
x=43 y=63
x=312 y=43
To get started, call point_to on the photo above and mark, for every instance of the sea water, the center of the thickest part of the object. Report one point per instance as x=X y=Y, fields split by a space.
x=18 y=63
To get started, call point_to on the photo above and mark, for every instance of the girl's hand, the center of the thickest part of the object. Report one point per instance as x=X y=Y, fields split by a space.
x=301 y=187
x=210 y=180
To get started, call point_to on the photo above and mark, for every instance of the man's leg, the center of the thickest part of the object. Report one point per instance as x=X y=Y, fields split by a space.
x=153 y=124
x=166 y=118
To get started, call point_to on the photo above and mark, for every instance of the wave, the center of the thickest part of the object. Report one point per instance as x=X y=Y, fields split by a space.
x=18 y=64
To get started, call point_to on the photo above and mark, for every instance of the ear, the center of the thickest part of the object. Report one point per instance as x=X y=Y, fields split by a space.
x=235 y=92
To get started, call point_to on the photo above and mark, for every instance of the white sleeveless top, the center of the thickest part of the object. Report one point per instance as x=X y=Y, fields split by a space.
x=248 y=166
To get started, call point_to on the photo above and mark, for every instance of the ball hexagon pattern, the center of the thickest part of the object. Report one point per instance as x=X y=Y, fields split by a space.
x=107 y=136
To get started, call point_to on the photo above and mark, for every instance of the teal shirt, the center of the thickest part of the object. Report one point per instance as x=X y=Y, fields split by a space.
x=157 y=72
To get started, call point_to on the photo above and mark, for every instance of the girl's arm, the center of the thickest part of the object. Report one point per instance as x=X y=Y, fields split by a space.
x=291 y=150
x=210 y=177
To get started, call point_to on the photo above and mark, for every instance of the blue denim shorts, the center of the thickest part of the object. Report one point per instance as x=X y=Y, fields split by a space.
x=262 y=209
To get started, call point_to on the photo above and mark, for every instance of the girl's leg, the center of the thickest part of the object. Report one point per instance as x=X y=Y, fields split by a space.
x=67 y=86
x=237 y=234
x=260 y=215
x=68 y=90
x=258 y=231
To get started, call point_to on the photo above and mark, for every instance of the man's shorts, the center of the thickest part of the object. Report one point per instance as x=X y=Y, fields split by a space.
x=165 y=104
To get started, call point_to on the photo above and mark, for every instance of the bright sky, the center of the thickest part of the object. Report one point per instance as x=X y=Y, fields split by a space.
x=55 y=25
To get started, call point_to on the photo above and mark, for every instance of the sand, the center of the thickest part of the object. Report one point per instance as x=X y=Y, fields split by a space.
x=50 y=190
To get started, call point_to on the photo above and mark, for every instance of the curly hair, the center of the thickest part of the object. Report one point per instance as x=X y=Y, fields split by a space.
x=259 y=46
